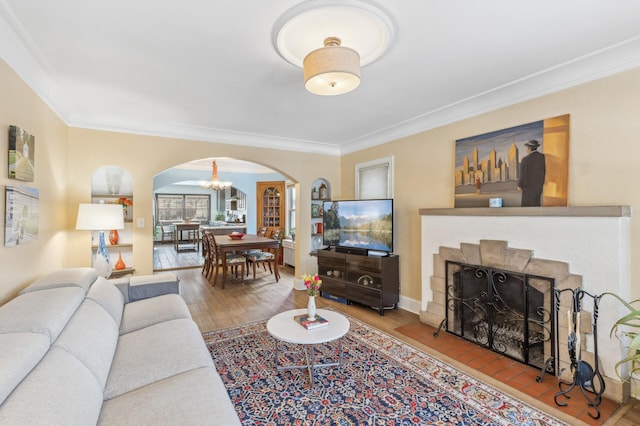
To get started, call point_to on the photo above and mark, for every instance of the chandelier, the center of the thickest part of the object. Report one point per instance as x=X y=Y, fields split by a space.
x=215 y=183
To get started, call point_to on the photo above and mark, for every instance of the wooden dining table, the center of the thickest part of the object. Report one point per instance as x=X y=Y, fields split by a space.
x=249 y=242
x=192 y=242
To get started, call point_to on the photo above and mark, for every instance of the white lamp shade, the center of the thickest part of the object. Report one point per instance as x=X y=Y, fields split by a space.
x=332 y=70
x=100 y=217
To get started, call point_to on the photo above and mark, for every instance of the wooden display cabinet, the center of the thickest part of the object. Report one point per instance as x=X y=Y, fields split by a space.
x=271 y=206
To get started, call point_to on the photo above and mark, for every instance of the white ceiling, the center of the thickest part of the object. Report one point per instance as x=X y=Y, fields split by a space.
x=207 y=69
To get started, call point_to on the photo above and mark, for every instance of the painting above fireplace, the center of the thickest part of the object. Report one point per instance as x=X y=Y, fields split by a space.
x=517 y=165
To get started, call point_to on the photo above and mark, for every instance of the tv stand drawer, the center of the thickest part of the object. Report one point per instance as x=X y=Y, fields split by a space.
x=369 y=280
x=333 y=286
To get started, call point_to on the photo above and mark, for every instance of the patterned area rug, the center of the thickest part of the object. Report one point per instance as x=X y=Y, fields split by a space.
x=383 y=381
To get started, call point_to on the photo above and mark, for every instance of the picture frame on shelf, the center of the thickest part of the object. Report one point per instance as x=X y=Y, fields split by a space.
x=316 y=210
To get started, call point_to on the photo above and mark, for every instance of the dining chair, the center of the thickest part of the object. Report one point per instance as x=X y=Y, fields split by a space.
x=264 y=257
x=166 y=231
x=207 y=254
x=233 y=260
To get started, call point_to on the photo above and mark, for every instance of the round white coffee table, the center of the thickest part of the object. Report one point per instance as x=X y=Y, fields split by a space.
x=285 y=329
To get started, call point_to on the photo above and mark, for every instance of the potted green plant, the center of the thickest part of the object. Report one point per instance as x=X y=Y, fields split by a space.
x=628 y=327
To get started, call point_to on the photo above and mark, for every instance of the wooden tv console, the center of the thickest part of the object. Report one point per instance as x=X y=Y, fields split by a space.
x=369 y=280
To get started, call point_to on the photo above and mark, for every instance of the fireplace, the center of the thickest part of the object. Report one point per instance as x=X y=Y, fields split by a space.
x=507 y=312
x=574 y=247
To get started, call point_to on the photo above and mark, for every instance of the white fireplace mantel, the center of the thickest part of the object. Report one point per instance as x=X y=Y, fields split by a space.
x=581 y=211
x=592 y=240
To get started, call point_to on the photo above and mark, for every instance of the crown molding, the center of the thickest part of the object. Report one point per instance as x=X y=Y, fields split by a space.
x=599 y=64
x=20 y=53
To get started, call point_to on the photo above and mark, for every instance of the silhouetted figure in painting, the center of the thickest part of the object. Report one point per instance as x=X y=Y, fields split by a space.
x=532 y=172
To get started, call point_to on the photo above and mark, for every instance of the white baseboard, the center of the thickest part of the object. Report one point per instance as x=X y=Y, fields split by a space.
x=411 y=305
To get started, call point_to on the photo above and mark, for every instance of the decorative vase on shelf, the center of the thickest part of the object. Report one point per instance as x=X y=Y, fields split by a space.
x=311 y=308
x=120 y=263
x=324 y=194
x=114 y=179
x=114 y=237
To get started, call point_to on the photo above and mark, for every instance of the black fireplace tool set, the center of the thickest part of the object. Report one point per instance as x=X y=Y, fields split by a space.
x=585 y=377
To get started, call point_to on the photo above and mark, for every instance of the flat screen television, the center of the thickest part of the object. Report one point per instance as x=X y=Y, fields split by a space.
x=364 y=225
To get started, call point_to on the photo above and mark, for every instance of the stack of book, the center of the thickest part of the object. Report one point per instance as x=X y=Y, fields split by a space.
x=303 y=320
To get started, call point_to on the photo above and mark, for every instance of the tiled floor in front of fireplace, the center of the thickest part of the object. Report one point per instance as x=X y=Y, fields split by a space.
x=510 y=372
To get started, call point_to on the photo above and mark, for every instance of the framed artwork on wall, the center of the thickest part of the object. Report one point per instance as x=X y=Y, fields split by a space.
x=522 y=166
x=21 y=215
x=22 y=150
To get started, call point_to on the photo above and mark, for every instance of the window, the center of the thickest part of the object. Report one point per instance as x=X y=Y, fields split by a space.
x=291 y=209
x=374 y=179
x=177 y=207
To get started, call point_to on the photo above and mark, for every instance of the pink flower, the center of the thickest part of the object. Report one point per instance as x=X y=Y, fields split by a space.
x=312 y=284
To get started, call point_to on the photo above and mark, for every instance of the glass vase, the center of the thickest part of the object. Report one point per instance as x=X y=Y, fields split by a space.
x=114 y=237
x=120 y=265
x=101 y=261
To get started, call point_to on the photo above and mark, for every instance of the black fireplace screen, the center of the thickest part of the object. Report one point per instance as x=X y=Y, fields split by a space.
x=507 y=312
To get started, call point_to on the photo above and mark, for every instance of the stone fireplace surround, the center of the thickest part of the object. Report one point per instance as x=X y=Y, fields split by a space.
x=584 y=247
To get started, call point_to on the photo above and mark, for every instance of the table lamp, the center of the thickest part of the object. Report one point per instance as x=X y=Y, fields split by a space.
x=100 y=217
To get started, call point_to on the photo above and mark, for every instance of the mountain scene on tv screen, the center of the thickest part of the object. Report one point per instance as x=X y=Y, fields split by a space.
x=359 y=224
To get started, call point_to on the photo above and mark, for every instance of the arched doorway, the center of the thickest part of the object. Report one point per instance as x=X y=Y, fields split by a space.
x=233 y=207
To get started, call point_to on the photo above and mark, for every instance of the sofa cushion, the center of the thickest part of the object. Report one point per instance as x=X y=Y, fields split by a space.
x=155 y=353
x=59 y=391
x=107 y=295
x=122 y=284
x=71 y=277
x=146 y=312
x=91 y=336
x=46 y=311
x=145 y=286
x=20 y=353
x=177 y=400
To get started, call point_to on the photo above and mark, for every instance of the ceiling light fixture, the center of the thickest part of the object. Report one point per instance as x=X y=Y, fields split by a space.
x=355 y=34
x=214 y=183
x=332 y=70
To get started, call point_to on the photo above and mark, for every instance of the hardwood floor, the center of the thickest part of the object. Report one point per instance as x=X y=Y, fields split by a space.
x=166 y=258
x=213 y=308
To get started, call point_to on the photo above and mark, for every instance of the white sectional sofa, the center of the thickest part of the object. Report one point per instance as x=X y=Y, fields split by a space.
x=77 y=349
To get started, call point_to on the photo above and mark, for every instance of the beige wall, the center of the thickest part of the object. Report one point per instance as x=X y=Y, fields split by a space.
x=604 y=157
x=604 y=153
x=604 y=130
x=19 y=106
x=146 y=156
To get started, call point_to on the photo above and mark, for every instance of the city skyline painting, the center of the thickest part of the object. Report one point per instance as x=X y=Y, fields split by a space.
x=498 y=164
